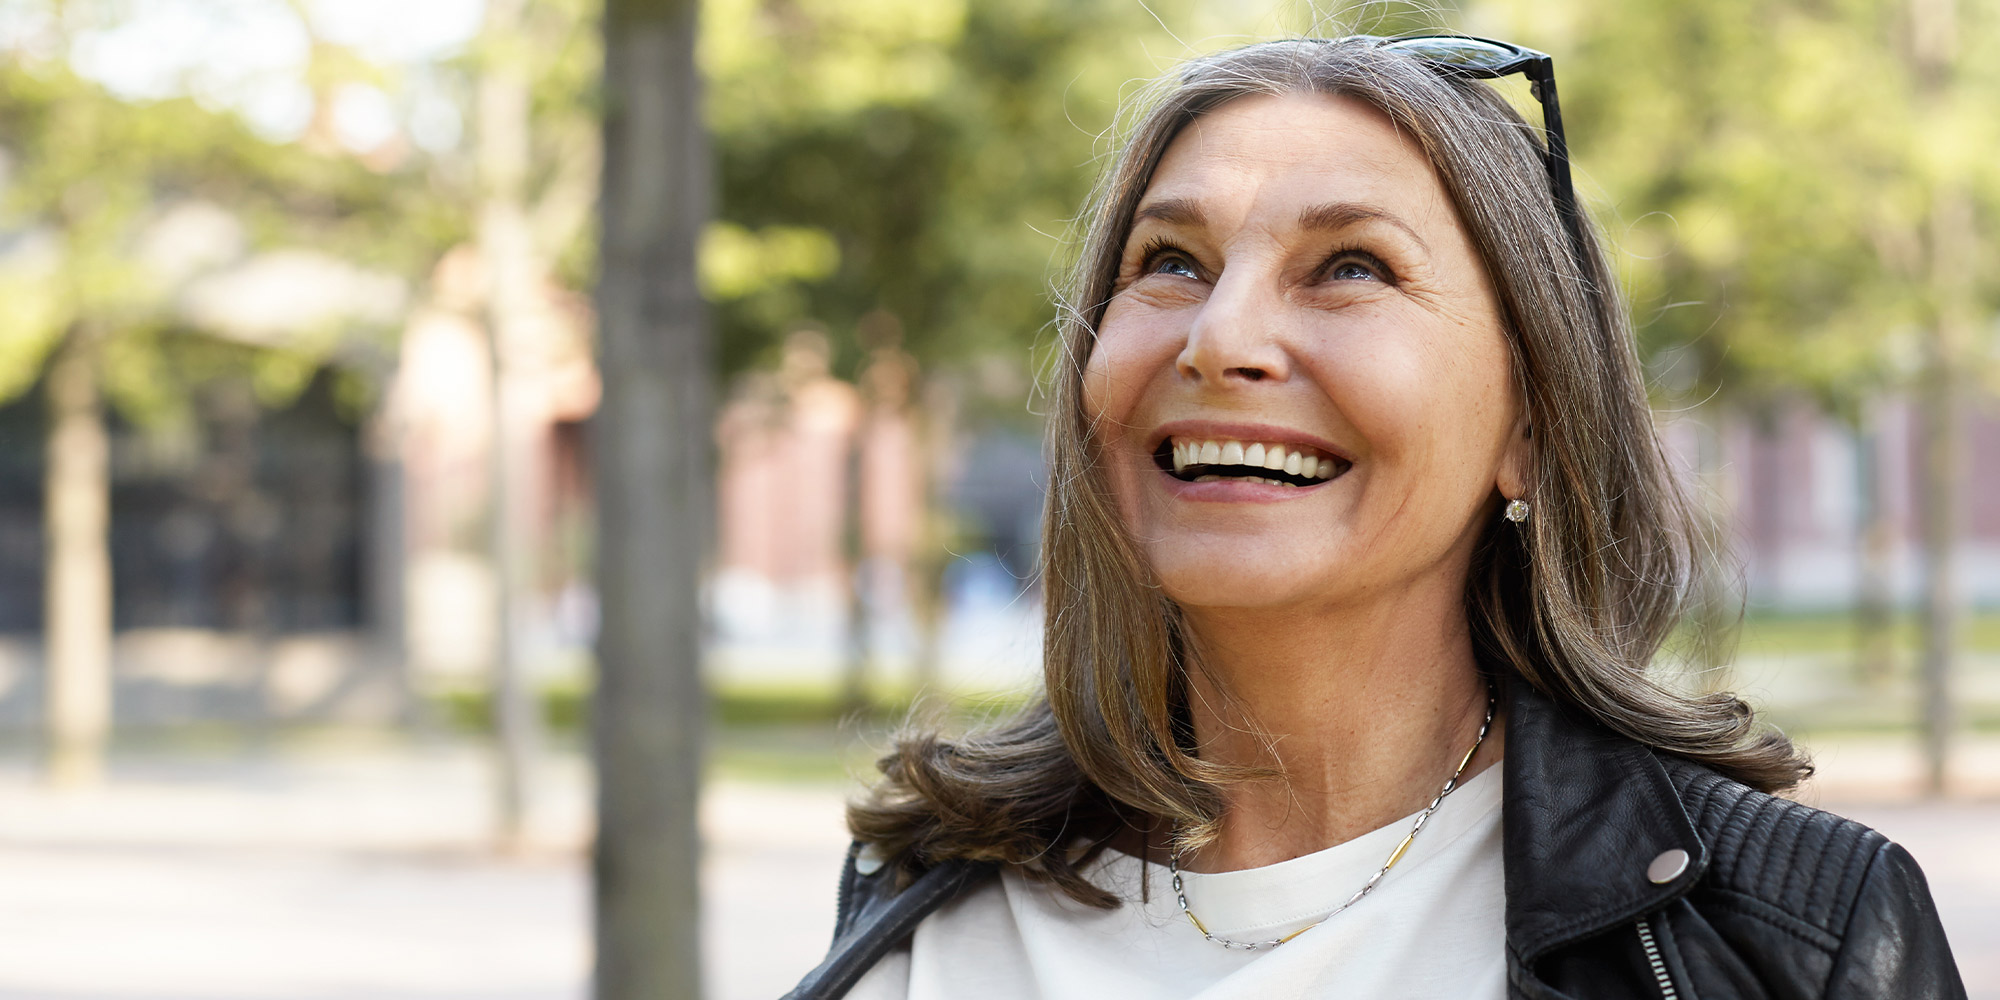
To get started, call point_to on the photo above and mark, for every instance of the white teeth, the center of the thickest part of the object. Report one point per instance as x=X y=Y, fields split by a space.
x=1253 y=455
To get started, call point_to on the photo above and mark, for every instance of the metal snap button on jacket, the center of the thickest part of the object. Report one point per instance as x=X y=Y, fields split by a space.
x=1668 y=866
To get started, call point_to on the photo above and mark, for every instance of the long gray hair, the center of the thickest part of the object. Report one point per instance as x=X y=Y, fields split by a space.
x=1577 y=605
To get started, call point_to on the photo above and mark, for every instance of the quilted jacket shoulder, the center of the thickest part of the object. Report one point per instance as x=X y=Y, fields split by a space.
x=1807 y=862
x=1785 y=902
x=1796 y=902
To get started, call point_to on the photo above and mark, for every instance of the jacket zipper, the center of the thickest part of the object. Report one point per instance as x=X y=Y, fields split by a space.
x=1653 y=959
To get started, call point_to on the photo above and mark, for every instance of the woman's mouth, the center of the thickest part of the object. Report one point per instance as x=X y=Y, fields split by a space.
x=1201 y=460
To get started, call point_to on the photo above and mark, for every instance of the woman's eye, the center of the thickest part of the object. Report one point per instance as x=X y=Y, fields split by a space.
x=1162 y=257
x=1354 y=266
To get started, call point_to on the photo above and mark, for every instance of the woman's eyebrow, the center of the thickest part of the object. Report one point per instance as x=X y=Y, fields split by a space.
x=1342 y=214
x=1172 y=211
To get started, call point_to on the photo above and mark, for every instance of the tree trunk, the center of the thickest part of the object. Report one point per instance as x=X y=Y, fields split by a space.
x=861 y=594
x=1952 y=242
x=1940 y=601
x=1953 y=246
x=1874 y=616
x=937 y=434
x=77 y=516
x=653 y=437
x=507 y=249
x=384 y=563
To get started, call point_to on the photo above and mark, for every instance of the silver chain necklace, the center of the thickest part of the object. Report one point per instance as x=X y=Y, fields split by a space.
x=1180 y=892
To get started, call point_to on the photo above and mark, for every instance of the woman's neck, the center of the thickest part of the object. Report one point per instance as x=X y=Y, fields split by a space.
x=1365 y=710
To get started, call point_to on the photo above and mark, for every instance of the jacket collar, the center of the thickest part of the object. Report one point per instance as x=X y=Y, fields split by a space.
x=1586 y=811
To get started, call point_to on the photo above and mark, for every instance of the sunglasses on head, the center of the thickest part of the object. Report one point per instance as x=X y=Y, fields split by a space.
x=1487 y=59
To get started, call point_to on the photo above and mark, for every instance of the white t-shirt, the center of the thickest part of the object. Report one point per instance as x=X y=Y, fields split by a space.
x=1433 y=928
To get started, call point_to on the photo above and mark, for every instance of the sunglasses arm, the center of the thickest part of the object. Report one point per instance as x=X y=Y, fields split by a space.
x=1542 y=77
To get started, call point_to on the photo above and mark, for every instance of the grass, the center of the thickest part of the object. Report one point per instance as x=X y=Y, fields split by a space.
x=1838 y=633
x=1800 y=670
x=768 y=732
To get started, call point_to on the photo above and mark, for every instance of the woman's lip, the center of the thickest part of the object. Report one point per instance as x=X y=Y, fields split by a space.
x=1237 y=490
x=1204 y=430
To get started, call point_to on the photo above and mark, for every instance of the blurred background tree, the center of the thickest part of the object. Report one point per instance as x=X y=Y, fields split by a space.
x=536 y=159
x=116 y=208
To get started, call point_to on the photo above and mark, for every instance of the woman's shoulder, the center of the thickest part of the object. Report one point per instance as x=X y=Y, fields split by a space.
x=1806 y=860
x=1782 y=874
x=879 y=906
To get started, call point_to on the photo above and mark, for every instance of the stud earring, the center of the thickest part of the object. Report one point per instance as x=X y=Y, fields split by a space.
x=1517 y=511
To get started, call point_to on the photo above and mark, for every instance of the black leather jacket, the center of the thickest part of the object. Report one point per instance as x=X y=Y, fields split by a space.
x=1776 y=901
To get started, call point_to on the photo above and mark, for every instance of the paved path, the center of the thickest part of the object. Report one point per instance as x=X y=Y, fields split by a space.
x=360 y=872
x=350 y=874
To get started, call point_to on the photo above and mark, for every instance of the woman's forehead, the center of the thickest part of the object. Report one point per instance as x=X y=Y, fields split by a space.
x=1288 y=157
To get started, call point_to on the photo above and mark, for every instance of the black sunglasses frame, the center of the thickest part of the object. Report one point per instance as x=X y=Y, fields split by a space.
x=1541 y=74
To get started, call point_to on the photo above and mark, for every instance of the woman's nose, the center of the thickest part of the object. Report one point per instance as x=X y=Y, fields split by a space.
x=1234 y=336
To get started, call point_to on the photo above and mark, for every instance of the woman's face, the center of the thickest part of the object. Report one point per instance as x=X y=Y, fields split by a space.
x=1301 y=388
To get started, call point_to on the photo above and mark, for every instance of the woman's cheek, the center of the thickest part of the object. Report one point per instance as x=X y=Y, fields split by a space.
x=1097 y=383
x=1112 y=377
x=1386 y=387
x=1110 y=397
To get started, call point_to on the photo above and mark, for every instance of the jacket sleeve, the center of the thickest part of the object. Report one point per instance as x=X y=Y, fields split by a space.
x=1894 y=948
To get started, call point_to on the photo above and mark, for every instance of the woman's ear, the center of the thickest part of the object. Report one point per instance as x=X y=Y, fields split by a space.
x=1517 y=462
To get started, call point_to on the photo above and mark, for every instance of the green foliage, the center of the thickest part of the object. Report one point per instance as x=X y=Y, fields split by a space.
x=736 y=262
x=1767 y=170
x=942 y=146
x=90 y=172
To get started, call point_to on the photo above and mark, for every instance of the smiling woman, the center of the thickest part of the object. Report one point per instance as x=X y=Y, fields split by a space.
x=1250 y=317
x=1332 y=316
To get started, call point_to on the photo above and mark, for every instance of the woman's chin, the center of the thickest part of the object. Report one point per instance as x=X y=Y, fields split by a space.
x=1242 y=583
